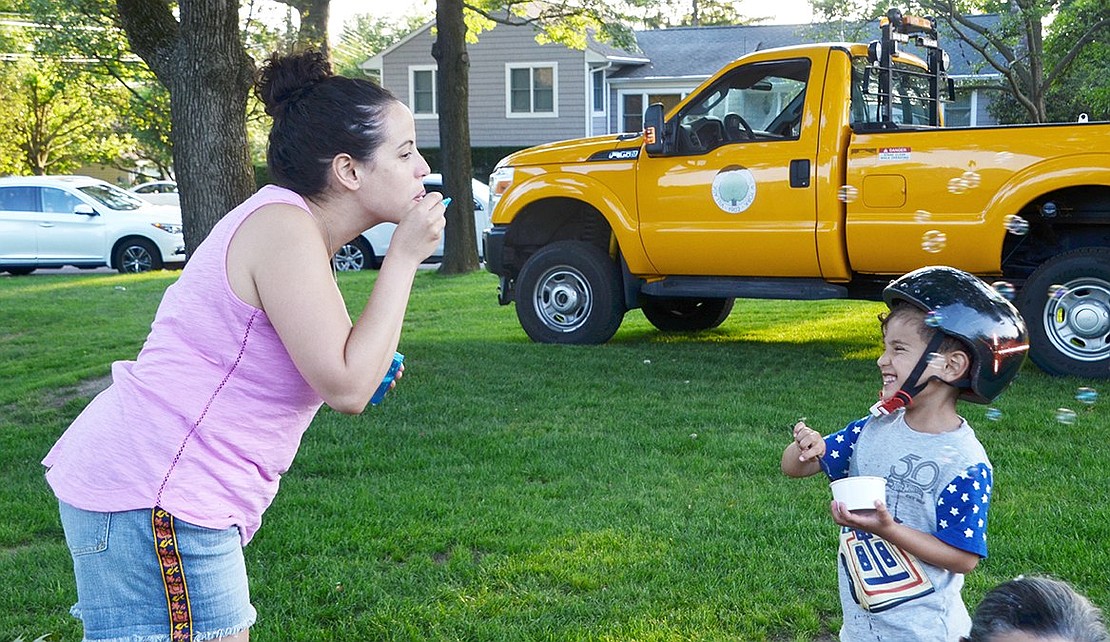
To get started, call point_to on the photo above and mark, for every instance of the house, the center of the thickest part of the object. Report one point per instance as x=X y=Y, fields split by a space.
x=523 y=93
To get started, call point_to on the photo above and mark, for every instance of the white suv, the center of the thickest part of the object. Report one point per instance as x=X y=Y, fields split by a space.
x=54 y=221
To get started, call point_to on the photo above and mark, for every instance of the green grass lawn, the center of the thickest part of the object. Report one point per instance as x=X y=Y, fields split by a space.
x=512 y=491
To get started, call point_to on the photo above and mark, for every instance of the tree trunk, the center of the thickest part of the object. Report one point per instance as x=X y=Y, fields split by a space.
x=202 y=62
x=313 y=31
x=452 y=87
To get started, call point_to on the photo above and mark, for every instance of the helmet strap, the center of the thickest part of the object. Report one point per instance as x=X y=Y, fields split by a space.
x=903 y=397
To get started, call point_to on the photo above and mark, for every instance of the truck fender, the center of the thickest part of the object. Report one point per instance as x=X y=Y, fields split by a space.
x=1044 y=177
x=586 y=190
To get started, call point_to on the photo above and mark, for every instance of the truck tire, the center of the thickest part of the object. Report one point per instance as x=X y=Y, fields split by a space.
x=1069 y=330
x=682 y=314
x=569 y=292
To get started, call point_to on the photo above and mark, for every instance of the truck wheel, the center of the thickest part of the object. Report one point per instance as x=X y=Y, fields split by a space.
x=1069 y=329
x=681 y=314
x=569 y=292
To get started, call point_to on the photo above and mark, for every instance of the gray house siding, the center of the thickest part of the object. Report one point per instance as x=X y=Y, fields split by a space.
x=490 y=124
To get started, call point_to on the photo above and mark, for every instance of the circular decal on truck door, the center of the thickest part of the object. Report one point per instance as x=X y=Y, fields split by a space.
x=734 y=189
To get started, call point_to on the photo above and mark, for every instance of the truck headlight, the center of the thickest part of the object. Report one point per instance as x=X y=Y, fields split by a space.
x=499 y=182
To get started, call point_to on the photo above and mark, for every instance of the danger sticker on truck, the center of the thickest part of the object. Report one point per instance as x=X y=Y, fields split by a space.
x=894 y=153
x=734 y=189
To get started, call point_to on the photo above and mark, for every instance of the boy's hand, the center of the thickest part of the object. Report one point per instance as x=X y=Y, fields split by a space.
x=811 y=446
x=876 y=521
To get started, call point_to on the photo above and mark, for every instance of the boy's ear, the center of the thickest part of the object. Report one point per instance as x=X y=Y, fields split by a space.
x=956 y=365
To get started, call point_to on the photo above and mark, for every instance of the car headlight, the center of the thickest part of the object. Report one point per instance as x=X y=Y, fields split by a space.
x=499 y=182
x=171 y=228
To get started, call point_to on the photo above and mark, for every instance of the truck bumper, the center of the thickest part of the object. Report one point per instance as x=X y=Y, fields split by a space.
x=493 y=248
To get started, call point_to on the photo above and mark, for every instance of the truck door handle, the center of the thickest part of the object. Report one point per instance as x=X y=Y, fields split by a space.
x=799 y=172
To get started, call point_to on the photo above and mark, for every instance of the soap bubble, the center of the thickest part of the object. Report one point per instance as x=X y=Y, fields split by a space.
x=922 y=216
x=934 y=241
x=1005 y=288
x=994 y=414
x=971 y=179
x=1057 y=292
x=1015 y=224
x=1086 y=395
x=957 y=185
x=1065 y=416
x=847 y=193
x=934 y=319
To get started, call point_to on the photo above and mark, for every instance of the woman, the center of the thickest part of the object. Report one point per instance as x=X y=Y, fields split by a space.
x=164 y=477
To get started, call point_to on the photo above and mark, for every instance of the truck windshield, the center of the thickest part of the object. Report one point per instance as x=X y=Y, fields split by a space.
x=910 y=89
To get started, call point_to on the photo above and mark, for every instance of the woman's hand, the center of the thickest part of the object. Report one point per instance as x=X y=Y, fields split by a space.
x=420 y=228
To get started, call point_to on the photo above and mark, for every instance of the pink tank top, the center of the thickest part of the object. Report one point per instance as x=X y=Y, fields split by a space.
x=207 y=418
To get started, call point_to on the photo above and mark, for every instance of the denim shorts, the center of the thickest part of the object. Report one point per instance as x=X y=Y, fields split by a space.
x=144 y=576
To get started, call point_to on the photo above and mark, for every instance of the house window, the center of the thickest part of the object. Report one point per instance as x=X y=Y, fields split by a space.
x=634 y=105
x=632 y=113
x=422 y=91
x=962 y=112
x=532 y=90
x=598 y=86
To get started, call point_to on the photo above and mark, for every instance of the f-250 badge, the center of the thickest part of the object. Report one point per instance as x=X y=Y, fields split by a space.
x=734 y=189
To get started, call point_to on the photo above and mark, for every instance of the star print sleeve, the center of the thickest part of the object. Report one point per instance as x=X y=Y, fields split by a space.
x=839 y=447
x=962 y=510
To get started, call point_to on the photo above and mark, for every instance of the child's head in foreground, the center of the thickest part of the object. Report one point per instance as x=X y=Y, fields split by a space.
x=1036 y=609
x=947 y=325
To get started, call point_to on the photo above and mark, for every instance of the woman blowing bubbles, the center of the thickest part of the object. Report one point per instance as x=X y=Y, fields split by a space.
x=165 y=475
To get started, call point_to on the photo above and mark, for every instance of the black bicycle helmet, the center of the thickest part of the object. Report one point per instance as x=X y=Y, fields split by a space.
x=970 y=310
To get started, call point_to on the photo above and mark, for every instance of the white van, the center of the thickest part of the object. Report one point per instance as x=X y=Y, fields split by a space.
x=54 y=221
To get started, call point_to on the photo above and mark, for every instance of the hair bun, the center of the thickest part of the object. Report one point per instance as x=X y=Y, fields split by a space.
x=283 y=80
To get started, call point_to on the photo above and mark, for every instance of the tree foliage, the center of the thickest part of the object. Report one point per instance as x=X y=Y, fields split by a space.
x=656 y=14
x=61 y=113
x=365 y=35
x=54 y=125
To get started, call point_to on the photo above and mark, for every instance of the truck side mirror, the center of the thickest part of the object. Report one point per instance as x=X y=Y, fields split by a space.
x=653 y=129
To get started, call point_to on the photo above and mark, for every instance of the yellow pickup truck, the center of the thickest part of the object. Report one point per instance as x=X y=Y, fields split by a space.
x=808 y=172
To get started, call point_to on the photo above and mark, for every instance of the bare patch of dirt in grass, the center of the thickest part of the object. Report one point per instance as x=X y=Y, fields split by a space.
x=86 y=389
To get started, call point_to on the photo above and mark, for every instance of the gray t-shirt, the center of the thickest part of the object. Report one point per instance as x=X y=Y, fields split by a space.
x=936 y=483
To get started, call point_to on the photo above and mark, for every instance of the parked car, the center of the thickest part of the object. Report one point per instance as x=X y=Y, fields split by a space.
x=367 y=250
x=54 y=221
x=158 y=192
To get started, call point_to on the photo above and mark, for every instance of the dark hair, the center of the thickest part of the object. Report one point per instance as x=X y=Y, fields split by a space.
x=1040 y=606
x=906 y=309
x=317 y=115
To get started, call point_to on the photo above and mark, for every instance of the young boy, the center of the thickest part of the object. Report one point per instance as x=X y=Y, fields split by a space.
x=947 y=336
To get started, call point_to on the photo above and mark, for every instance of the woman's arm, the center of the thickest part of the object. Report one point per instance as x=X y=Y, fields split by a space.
x=280 y=259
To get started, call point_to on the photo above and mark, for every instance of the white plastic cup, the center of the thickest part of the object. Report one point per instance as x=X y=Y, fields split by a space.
x=859 y=493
